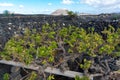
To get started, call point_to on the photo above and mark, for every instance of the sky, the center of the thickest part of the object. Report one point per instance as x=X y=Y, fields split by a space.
x=48 y=6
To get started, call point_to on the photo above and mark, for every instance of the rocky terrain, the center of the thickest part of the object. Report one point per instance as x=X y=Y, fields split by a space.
x=12 y=25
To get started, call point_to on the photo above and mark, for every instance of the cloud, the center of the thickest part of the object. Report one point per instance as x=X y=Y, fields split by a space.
x=6 y=4
x=46 y=10
x=21 y=6
x=49 y=4
x=102 y=3
x=67 y=2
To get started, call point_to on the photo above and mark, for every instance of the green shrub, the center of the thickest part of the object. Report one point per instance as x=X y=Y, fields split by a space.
x=82 y=78
x=48 y=43
x=6 y=76
x=33 y=45
x=32 y=76
x=71 y=14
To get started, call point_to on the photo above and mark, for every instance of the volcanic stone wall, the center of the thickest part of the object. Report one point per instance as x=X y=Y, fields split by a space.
x=16 y=24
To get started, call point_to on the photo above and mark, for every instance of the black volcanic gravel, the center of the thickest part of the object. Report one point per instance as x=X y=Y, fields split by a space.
x=13 y=25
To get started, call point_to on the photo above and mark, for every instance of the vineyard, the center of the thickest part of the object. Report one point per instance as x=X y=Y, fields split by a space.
x=55 y=51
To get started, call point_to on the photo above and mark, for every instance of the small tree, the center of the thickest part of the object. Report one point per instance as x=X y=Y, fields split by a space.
x=6 y=13
x=12 y=14
x=71 y=14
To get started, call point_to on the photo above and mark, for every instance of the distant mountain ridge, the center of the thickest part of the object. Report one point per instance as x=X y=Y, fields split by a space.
x=60 y=12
